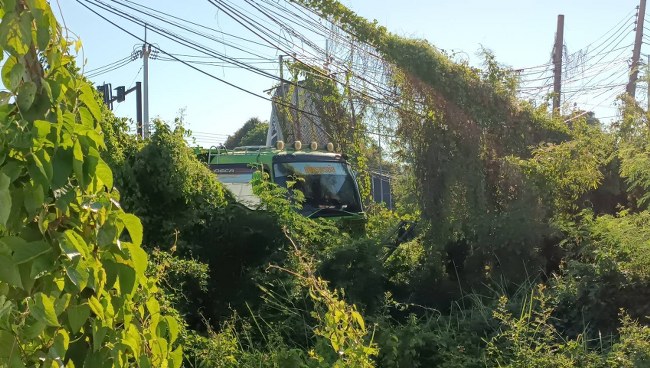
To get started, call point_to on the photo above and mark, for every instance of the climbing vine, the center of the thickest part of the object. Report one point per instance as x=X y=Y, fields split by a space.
x=457 y=127
x=73 y=289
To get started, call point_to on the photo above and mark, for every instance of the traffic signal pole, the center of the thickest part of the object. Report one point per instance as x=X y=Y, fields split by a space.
x=120 y=96
x=146 y=50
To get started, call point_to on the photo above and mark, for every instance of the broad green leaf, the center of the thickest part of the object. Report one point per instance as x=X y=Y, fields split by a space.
x=132 y=340
x=99 y=333
x=42 y=19
x=159 y=348
x=45 y=163
x=176 y=357
x=127 y=278
x=60 y=346
x=107 y=235
x=8 y=74
x=9 y=350
x=73 y=245
x=15 y=219
x=25 y=30
x=78 y=273
x=154 y=311
x=13 y=242
x=37 y=171
x=357 y=317
x=33 y=329
x=104 y=174
x=26 y=95
x=9 y=272
x=112 y=271
x=133 y=226
x=61 y=167
x=5 y=199
x=90 y=165
x=61 y=303
x=41 y=128
x=29 y=251
x=87 y=96
x=78 y=161
x=24 y=270
x=34 y=198
x=86 y=118
x=5 y=97
x=15 y=75
x=13 y=170
x=139 y=258
x=9 y=4
x=96 y=307
x=43 y=309
x=97 y=138
x=144 y=362
x=43 y=265
x=172 y=327
x=77 y=316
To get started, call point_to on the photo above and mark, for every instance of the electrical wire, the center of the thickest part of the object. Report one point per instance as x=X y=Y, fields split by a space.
x=279 y=102
x=95 y=72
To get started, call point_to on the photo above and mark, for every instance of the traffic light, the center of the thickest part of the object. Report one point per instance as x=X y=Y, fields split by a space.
x=107 y=94
x=121 y=94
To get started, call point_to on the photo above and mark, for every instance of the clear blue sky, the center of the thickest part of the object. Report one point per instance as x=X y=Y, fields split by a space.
x=519 y=32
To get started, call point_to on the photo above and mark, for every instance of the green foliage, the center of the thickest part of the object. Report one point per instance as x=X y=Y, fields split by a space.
x=633 y=348
x=608 y=272
x=73 y=288
x=430 y=341
x=634 y=153
x=255 y=136
x=458 y=129
x=532 y=340
x=502 y=188
x=179 y=278
x=252 y=133
x=567 y=170
x=185 y=209
x=175 y=193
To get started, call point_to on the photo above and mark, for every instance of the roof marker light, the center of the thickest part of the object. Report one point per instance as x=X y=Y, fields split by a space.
x=297 y=145
x=279 y=145
x=313 y=146
x=330 y=147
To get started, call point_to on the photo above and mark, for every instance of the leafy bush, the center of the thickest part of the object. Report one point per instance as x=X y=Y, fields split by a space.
x=73 y=288
x=609 y=272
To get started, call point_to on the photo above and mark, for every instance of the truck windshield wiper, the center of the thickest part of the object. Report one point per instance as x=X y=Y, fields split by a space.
x=333 y=209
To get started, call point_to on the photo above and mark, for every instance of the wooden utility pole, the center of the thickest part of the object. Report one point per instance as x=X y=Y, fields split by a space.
x=557 y=63
x=636 y=53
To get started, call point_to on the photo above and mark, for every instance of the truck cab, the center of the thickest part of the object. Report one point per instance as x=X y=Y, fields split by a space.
x=325 y=178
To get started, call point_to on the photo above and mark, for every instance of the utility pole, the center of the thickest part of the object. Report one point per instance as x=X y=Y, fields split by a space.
x=280 y=61
x=138 y=108
x=297 y=127
x=146 y=50
x=557 y=62
x=647 y=78
x=636 y=53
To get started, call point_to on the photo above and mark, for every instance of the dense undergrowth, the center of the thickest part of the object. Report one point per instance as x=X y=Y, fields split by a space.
x=532 y=249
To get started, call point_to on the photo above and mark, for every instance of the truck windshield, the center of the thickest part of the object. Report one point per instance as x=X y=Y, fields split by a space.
x=237 y=179
x=326 y=185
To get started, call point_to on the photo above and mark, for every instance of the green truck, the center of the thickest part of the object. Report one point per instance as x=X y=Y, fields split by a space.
x=324 y=177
